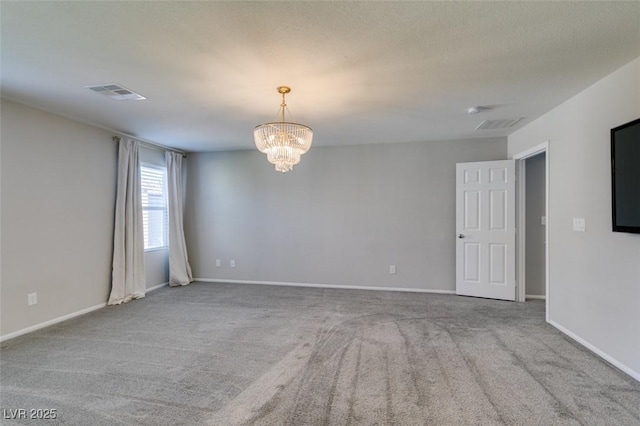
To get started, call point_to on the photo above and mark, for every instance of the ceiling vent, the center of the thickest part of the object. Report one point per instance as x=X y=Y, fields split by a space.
x=497 y=124
x=116 y=92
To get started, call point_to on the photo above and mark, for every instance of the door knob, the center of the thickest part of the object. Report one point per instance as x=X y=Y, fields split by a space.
x=460 y=236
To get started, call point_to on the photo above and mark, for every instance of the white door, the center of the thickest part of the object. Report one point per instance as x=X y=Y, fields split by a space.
x=485 y=229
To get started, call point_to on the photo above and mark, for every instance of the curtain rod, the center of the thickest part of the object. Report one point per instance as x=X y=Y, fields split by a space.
x=153 y=145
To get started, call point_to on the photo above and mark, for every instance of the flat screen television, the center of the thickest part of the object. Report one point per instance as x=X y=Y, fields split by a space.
x=625 y=177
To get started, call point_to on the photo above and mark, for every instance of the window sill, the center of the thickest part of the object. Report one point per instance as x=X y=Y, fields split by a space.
x=165 y=248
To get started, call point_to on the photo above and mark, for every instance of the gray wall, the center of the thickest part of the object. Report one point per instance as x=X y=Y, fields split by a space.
x=58 y=181
x=535 y=231
x=594 y=289
x=58 y=195
x=341 y=217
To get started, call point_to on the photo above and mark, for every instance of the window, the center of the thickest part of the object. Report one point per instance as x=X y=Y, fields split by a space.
x=154 y=207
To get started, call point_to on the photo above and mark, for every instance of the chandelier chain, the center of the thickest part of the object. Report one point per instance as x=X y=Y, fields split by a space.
x=283 y=105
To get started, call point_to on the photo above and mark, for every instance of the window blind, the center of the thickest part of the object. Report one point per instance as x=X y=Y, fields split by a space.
x=154 y=207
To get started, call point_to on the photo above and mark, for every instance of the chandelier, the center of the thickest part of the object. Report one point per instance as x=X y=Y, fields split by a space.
x=283 y=142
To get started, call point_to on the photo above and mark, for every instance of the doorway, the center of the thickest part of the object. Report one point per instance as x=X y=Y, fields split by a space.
x=532 y=256
x=535 y=224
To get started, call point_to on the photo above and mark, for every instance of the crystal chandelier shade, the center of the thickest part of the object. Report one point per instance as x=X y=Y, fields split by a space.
x=282 y=141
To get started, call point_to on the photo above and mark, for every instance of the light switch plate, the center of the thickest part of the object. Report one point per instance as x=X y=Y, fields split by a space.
x=543 y=220
x=579 y=224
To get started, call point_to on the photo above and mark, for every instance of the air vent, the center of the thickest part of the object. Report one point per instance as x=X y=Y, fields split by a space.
x=116 y=92
x=497 y=124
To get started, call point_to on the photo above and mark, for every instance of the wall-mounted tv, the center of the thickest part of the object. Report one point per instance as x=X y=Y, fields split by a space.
x=625 y=177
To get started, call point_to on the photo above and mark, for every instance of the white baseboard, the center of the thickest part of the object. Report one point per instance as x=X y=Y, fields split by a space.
x=338 y=286
x=598 y=351
x=51 y=322
x=66 y=317
x=155 y=287
x=535 y=297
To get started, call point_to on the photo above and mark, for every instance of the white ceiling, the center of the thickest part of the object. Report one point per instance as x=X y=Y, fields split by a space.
x=361 y=72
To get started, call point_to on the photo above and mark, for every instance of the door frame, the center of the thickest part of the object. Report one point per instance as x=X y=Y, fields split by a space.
x=521 y=223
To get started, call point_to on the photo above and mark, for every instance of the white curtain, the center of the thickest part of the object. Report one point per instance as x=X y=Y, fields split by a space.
x=128 y=276
x=179 y=269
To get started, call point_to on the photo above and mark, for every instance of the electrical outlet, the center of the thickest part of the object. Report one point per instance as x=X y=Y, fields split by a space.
x=392 y=269
x=32 y=299
x=217 y=262
x=232 y=263
x=579 y=224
